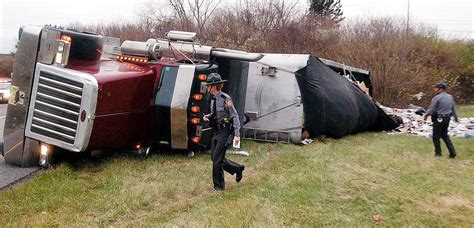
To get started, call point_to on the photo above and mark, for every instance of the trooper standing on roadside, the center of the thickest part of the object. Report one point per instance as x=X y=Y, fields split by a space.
x=225 y=122
x=441 y=109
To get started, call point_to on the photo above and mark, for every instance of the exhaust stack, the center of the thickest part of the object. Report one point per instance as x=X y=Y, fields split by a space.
x=182 y=43
x=234 y=54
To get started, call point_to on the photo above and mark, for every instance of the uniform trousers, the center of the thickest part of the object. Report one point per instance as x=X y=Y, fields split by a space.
x=440 y=130
x=219 y=161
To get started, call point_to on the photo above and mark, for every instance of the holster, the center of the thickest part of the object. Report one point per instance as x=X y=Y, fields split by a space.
x=230 y=140
x=224 y=123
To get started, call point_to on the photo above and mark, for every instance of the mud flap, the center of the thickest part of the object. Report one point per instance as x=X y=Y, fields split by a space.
x=16 y=148
x=31 y=153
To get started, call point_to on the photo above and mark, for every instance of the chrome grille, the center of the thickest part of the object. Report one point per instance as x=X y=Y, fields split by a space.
x=57 y=107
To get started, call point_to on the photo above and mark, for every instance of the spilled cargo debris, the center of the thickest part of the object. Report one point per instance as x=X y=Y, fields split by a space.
x=414 y=124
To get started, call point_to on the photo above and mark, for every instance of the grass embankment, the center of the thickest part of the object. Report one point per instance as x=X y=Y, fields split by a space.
x=465 y=110
x=336 y=182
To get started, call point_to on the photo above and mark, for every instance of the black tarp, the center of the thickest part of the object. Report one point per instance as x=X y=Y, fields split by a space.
x=334 y=106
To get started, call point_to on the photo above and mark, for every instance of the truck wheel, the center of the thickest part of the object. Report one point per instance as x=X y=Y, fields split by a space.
x=190 y=154
x=144 y=151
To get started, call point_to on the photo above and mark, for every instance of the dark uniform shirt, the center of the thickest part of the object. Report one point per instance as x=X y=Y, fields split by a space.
x=442 y=104
x=225 y=109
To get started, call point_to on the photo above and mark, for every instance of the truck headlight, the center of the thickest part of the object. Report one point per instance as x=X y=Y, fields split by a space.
x=44 y=161
x=6 y=94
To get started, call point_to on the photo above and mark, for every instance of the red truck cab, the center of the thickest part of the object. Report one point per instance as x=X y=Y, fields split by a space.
x=67 y=95
x=135 y=104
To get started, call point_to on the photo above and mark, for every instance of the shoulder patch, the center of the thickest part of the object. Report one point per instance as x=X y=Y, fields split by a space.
x=229 y=103
x=225 y=96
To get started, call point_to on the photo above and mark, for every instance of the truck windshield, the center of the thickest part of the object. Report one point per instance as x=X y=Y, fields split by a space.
x=163 y=100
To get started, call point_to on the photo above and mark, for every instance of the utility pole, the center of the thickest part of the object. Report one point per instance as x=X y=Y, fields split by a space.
x=408 y=17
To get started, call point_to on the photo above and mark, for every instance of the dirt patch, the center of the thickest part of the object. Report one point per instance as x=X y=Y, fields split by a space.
x=272 y=155
x=445 y=204
x=452 y=201
x=453 y=207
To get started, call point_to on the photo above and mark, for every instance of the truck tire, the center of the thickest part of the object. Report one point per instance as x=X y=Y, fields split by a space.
x=190 y=154
x=144 y=151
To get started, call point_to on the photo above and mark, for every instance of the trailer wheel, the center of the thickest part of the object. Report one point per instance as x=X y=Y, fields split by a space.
x=144 y=151
x=190 y=154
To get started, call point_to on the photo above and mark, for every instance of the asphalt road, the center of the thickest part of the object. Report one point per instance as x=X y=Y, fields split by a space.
x=9 y=174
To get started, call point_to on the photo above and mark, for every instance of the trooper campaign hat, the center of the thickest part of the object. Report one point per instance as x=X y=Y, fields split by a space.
x=214 y=78
x=440 y=84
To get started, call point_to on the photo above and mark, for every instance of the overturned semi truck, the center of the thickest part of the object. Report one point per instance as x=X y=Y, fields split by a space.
x=82 y=92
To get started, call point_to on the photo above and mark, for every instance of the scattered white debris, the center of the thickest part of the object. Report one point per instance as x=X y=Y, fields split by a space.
x=470 y=134
x=414 y=124
x=306 y=141
x=419 y=95
x=238 y=152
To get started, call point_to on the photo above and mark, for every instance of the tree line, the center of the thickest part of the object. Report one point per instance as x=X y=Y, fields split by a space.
x=402 y=61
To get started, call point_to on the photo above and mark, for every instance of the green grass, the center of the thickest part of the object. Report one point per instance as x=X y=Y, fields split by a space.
x=465 y=110
x=333 y=183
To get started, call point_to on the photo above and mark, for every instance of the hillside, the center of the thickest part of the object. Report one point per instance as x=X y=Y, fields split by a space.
x=346 y=182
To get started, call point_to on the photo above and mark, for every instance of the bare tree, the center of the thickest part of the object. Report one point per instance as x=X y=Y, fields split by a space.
x=186 y=15
x=401 y=64
x=181 y=15
x=202 y=11
x=331 y=9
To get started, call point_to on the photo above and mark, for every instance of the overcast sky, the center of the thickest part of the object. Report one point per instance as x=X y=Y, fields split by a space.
x=452 y=18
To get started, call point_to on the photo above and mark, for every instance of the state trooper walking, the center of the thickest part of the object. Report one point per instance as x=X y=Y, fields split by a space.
x=441 y=109
x=225 y=121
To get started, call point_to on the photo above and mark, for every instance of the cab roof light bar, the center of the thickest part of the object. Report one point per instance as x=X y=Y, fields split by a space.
x=132 y=59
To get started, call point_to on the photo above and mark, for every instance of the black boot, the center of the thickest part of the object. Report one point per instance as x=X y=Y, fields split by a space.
x=238 y=175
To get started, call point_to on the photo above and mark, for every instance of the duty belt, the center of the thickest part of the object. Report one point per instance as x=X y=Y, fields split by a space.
x=224 y=123
x=444 y=115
